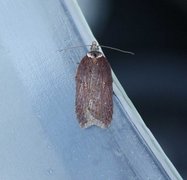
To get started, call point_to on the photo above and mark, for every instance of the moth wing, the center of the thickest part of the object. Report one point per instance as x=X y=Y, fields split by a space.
x=94 y=104
x=82 y=89
x=103 y=107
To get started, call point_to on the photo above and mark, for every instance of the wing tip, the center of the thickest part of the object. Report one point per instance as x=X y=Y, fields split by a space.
x=95 y=122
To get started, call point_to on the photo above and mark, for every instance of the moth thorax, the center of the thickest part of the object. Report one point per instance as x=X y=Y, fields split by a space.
x=94 y=54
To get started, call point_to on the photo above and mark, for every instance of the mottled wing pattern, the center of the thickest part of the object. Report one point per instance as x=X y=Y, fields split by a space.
x=82 y=90
x=94 y=104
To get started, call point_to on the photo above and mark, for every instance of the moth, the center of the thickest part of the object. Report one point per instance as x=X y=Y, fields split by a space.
x=94 y=103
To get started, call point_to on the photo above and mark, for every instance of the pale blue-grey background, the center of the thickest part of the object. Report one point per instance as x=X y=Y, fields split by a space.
x=39 y=134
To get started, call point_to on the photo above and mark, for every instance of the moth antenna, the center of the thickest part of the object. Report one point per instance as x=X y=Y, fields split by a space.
x=95 y=47
x=73 y=47
x=116 y=49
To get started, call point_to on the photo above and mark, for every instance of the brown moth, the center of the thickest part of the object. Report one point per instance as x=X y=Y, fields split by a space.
x=94 y=104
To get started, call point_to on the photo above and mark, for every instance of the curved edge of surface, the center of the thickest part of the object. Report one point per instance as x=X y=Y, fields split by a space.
x=124 y=99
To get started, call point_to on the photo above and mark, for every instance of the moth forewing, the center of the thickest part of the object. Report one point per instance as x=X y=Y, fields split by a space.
x=94 y=104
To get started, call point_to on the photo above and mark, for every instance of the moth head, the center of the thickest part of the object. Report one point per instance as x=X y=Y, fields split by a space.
x=94 y=51
x=94 y=46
